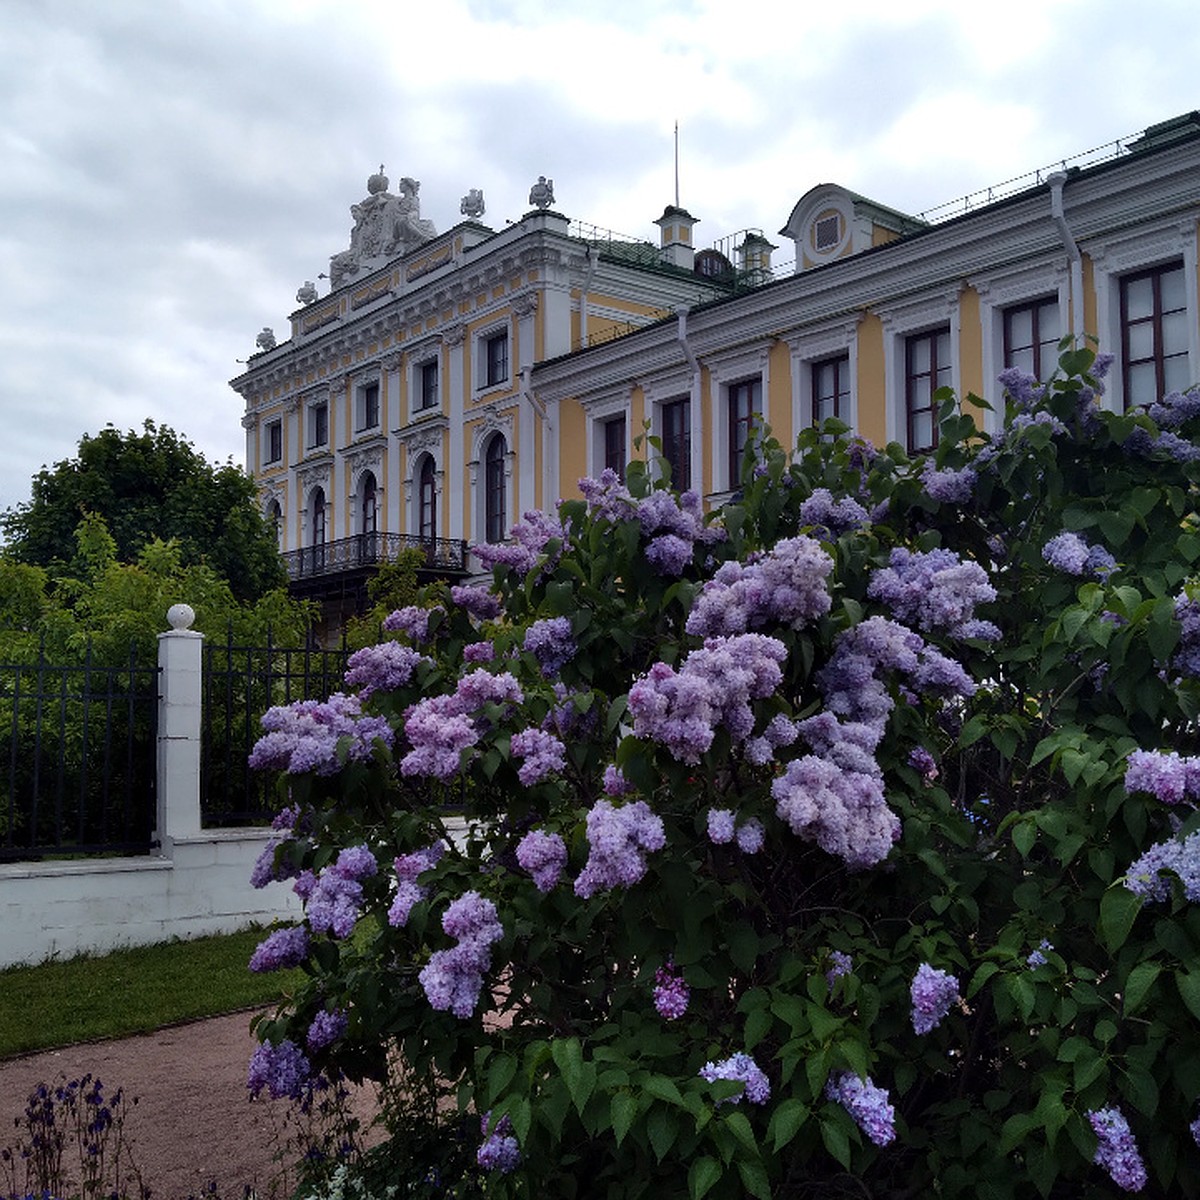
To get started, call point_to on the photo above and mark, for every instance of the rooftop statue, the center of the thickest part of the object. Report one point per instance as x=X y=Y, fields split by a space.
x=542 y=192
x=385 y=227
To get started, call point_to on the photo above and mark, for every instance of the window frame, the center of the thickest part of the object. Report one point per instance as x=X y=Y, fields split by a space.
x=1038 y=342
x=496 y=366
x=916 y=382
x=677 y=443
x=427 y=499
x=743 y=402
x=273 y=431
x=615 y=445
x=367 y=408
x=1158 y=356
x=841 y=366
x=429 y=394
x=495 y=489
x=317 y=426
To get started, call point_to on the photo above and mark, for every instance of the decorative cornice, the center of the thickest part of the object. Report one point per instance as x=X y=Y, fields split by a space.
x=318 y=474
x=368 y=456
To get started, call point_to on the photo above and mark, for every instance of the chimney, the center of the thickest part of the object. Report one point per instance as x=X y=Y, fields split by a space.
x=754 y=259
x=676 y=246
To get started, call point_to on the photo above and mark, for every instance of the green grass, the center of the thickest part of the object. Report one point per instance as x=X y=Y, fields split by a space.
x=132 y=991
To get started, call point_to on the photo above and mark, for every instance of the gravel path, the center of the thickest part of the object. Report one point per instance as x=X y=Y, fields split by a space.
x=193 y=1125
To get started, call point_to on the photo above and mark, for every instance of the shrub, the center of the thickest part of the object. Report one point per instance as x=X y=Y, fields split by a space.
x=796 y=841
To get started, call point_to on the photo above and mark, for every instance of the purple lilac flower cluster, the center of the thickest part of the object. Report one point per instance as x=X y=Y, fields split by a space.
x=1069 y=553
x=935 y=591
x=721 y=823
x=304 y=736
x=837 y=516
x=723 y=828
x=477 y=601
x=326 y=1028
x=412 y=620
x=543 y=753
x=266 y=869
x=409 y=868
x=713 y=686
x=1166 y=775
x=740 y=1067
x=453 y=978
x=282 y=1070
x=671 y=993
x=551 y=643
x=787 y=586
x=1187 y=656
x=500 y=1150
x=1037 y=957
x=618 y=841
x=866 y=1103
x=1021 y=386
x=1181 y=857
x=543 y=855
x=333 y=903
x=750 y=836
x=1117 y=1150
x=782 y=731
x=674 y=528
x=948 y=486
x=283 y=948
x=923 y=763
x=478 y=652
x=530 y=537
x=1194 y=1129
x=382 y=668
x=841 y=964
x=1175 y=408
x=615 y=783
x=440 y=728
x=933 y=993
x=608 y=499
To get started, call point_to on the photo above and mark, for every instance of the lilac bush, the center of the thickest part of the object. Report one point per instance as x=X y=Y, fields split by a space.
x=580 y=857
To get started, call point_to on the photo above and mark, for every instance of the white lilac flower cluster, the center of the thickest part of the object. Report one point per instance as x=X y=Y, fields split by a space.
x=453 y=978
x=409 y=868
x=543 y=753
x=935 y=591
x=382 y=668
x=283 y=1070
x=786 y=585
x=477 y=601
x=411 y=620
x=743 y=1068
x=618 y=841
x=1117 y=1150
x=933 y=993
x=671 y=993
x=949 y=486
x=325 y=1029
x=1166 y=775
x=551 y=643
x=440 y=728
x=1069 y=553
x=530 y=537
x=336 y=894
x=500 y=1150
x=713 y=686
x=283 y=948
x=1187 y=656
x=304 y=736
x=1181 y=857
x=543 y=855
x=837 y=516
x=867 y=1104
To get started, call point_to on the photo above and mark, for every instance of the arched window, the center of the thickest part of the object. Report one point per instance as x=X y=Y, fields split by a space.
x=427 y=501
x=275 y=520
x=368 y=491
x=495 y=505
x=316 y=506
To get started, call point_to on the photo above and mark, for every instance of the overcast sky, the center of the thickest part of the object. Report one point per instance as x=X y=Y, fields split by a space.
x=172 y=170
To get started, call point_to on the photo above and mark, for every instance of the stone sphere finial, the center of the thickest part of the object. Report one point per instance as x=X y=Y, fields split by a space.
x=181 y=616
x=378 y=182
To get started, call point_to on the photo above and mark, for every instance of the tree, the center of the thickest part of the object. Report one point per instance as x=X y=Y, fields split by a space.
x=148 y=485
x=843 y=843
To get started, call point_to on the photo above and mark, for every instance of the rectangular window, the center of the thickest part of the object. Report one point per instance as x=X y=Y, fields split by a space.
x=1031 y=335
x=366 y=415
x=496 y=359
x=831 y=389
x=1154 y=334
x=926 y=368
x=676 y=437
x=745 y=406
x=274 y=441
x=318 y=425
x=427 y=377
x=614 y=445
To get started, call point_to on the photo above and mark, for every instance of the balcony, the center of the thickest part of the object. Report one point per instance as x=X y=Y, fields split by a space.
x=358 y=556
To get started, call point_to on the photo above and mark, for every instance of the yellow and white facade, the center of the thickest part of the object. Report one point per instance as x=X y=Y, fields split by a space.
x=879 y=311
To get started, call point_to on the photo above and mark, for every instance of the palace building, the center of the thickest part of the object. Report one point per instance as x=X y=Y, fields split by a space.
x=448 y=383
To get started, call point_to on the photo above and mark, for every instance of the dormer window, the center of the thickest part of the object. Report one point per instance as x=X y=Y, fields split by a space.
x=827 y=231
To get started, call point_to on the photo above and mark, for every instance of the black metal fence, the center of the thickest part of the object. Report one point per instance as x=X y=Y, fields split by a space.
x=371 y=549
x=240 y=683
x=79 y=745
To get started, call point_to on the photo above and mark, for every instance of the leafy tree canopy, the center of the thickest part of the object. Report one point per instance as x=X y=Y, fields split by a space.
x=149 y=485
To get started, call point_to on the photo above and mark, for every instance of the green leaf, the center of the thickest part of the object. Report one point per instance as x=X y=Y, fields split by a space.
x=754 y=1179
x=836 y=1141
x=622 y=1109
x=662 y=1128
x=662 y=1088
x=500 y=1074
x=1119 y=908
x=702 y=1176
x=1140 y=980
x=1188 y=983
x=740 y=1127
x=786 y=1121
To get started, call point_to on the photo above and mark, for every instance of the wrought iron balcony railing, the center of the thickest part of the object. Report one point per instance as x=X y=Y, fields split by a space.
x=371 y=549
